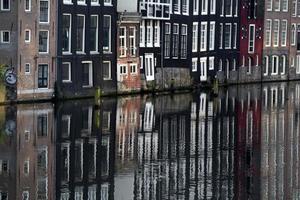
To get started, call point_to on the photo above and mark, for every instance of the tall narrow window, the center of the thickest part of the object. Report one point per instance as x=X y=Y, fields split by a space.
x=203 y=37
x=276 y=33
x=66 y=72
x=293 y=35
x=269 y=5
x=42 y=125
x=149 y=33
x=107 y=70
x=5 y=5
x=80 y=33
x=87 y=69
x=227 y=36
x=298 y=64
x=122 y=41
x=195 y=7
x=43 y=41
x=194 y=64
x=142 y=33
x=251 y=44
x=266 y=68
x=195 y=37
x=167 y=39
x=149 y=66
x=284 y=5
x=228 y=7
x=212 y=38
x=277 y=5
x=66 y=37
x=298 y=37
x=42 y=76
x=212 y=7
x=44 y=11
x=275 y=65
x=5 y=37
x=132 y=41
x=107 y=33
x=94 y=34
x=176 y=4
x=27 y=5
x=204 y=7
x=283 y=33
x=235 y=35
x=185 y=7
x=184 y=41
x=268 y=33
x=221 y=36
x=175 y=40
x=283 y=63
x=157 y=33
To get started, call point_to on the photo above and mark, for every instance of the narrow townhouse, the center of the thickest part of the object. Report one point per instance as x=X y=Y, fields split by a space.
x=227 y=27
x=36 y=49
x=251 y=41
x=128 y=60
x=86 y=47
x=294 y=42
x=276 y=40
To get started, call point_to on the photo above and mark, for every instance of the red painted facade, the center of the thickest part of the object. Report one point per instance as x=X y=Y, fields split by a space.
x=251 y=14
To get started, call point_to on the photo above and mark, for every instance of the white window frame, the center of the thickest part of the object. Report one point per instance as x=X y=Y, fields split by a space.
x=251 y=42
x=157 y=33
x=48 y=20
x=81 y=2
x=276 y=65
x=195 y=37
x=141 y=62
x=149 y=58
x=142 y=33
x=195 y=7
x=29 y=66
x=212 y=38
x=95 y=3
x=284 y=33
x=47 y=41
x=298 y=64
x=213 y=7
x=109 y=63
x=83 y=39
x=123 y=49
x=194 y=64
x=70 y=36
x=70 y=72
x=9 y=6
x=204 y=7
x=136 y=68
x=283 y=58
x=266 y=71
x=29 y=35
x=211 y=63
x=29 y=4
x=2 y=37
x=107 y=2
x=230 y=35
x=203 y=37
x=108 y=50
x=68 y=2
x=276 y=36
x=149 y=33
x=97 y=35
x=268 y=33
x=293 y=34
x=132 y=38
x=90 y=74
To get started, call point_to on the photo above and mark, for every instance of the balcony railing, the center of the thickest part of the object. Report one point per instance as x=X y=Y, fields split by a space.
x=155 y=10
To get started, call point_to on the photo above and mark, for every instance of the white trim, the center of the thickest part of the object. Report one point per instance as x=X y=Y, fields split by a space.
x=1 y=37
x=29 y=35
x=29 y=2
x=70 y=72
x=1 y=6
x=97 y=35
x=48 y=20
x=70 y=34
x=47 y=41
x=83 y=35
x=35 y=91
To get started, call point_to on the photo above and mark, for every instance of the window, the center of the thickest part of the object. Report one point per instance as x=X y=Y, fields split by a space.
x=81 y=2
x=203 y=37
x=27 y=5
x=3 y=195
x=123 y=69
x=87 y=80
x=220 y=65
x=67 y=1
x=149 y=33
x=234 y=35
x=5 y=5
x=107 y=2
x=4 y=167
x=66 y=36
x=266 y=62
x=204 y=7
x=141 y=62
x=176 y=4
x=275 y=64
x=194 y=64
x=65 y=125
x=283 y=33
x=43 y=41
x=133 y=69
x=106 y=70
x=94 y=2
x=167 y=39
x=149 y=66
x=211 y=63
x=276 y=33
x=5 y=37
x=195 y=7
x=227 y=36
x=27 y=68
x=183 y=41
x=283 y=63
x=132 y=41
x=212 y=38
x=251 y=44
x=222 y=8
x=213 y=7
x=195 y=37
x=66 y=72
x=298 y=36
x=203 y=69
x=233 y=65
x=268 y=33
x=107 y=33
x=157 y=33
x=94 y=34
x=269 y=4
x=175 y=40
x=298 y=64
x=221 y=36
x=80 y=33
x=142 y=33
x=277 y=5
x=42 y=76
x=26 y=168
x=228 y=8
x=44 y=11
x=294 y=8
x=122 y=41
x=293 y=35
x=27 y=36
x=284 y=5
x=185 y=7
x=250 y=63
x=42 y=125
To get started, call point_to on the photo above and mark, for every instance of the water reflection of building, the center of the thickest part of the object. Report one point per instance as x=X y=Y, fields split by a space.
x=35 y=151
x=85 y=161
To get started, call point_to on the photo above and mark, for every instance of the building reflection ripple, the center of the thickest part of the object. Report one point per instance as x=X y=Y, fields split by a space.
x=241 y=144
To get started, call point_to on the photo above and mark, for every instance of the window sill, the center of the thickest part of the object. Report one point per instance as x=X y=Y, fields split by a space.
x=107 y=79
x=80 y=53
x=94 y=52
x=95 y=4
x=66 y=53
x=108 y=4
x=67 y=81
x=81 y=4
x=87 y=86
x=107 y=52
x=5 y=10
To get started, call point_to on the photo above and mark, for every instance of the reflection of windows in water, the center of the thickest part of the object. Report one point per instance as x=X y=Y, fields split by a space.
x=65 y=161
x=92 y=192
x=92 y=163
x=104 y=191
x=132 y=117
x=42 y=188
x=42 y=160
x=274 y=96
x=25 y=195
x=148 y=120
x=87 y=115
x=42 y=126
x=26 y=167
x=4 y=167
x=79 y=160
x=65 y=125
x=78 y=193
x=106 y=121
x=3 y=195
x=65 y=196
x=105 y=156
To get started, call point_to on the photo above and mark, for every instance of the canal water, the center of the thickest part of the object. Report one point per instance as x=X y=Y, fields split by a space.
x=241 y=143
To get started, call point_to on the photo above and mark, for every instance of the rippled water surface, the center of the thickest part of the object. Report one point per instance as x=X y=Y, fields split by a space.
x=241 y=143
